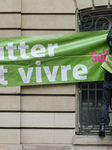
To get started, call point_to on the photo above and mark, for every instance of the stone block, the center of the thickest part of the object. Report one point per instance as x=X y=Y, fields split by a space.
x=16 y=147
x=47 y=147
x=64 y=89
x=10 y=147
x=84 y=4
x=64 y=120
x=37 y=136
x=10 y=33
x=47 y=136
x=36 y=33
x=10 y=21
x=110 y=2
x=48 y=103
x=9 y=103
x=64 y=136
x=9 y=119
x=100 y=2
x=48 y=120
x=92 y=140
x=92 y=147
x=12 y=6
x=48 y=21
x=10 y=90
x=9 y=136
x=48 y=6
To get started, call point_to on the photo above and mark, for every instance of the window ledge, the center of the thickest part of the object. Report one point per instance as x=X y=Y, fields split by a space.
x=92 y=140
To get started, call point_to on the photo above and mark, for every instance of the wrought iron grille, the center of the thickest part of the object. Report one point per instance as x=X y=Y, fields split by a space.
x=95 y=20
x=90 y=94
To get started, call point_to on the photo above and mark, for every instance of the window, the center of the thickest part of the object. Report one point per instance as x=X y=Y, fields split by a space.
x=90 y=94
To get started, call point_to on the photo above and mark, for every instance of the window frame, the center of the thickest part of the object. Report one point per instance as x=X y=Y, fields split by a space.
x=83 y=26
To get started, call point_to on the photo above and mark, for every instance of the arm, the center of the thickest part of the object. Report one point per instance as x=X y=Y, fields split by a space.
x=109 y=39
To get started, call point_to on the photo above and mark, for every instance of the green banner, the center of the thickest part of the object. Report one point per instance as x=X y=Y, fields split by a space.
x=51 y=59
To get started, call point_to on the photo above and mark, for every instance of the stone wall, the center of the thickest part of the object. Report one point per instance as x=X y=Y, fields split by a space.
x=43 y=117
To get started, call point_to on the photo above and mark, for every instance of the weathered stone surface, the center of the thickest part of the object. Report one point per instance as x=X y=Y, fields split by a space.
x=51 y=147
x=48 y=6
x=10 y=21
x=9 y=103
x=10 y=6
x=9 y=136
x=92 y=147
x=50 y=89
x=47 y=147
x=10 y=147
x=48 y=103
x=54 y=120
x=101 y=2
x=10 y=90
x=48 y=21
x=83 y=4
x=36 y=33
x=9 y=119
x=47 y=136
x=10 y=33
x=110 y=2
x=92 y=140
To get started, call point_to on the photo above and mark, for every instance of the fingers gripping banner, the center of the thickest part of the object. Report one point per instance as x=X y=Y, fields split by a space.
x=51 y=59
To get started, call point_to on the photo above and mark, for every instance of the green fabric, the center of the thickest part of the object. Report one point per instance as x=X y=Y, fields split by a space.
x=52 y=59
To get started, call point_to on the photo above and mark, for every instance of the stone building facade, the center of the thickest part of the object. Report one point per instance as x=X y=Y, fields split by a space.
x=44 y=117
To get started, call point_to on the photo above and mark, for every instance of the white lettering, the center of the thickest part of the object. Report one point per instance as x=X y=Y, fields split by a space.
x=77 y=72
x=38 y=53
x=2 y=71
x=26 y=78
x=51 y=49
x=50 y=77
x=1 y=53
x=64 y=72
x=22 y=48
x=37 y=50
x=38 y=74
x=10 y=49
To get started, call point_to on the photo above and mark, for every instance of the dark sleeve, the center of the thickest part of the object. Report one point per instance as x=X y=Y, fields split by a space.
x=109 y=39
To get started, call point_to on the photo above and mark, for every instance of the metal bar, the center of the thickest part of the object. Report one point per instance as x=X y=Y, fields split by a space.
x=88 y=98
x=96 y=11
x=80 y=108
x=94 y=20
x=95 y=112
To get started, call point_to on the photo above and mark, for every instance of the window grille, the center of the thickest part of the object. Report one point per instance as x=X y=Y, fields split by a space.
x=90 y=94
